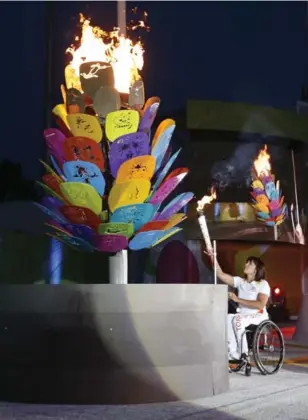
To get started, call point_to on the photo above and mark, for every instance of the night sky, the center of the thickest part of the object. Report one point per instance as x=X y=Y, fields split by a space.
x=234 y=51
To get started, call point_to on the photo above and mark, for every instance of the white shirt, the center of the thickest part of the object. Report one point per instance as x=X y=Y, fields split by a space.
x=250 y=291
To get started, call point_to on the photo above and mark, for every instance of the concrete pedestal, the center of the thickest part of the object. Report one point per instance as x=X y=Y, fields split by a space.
x=112 y=344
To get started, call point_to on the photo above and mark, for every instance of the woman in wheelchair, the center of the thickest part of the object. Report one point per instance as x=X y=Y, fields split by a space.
x=253 y=295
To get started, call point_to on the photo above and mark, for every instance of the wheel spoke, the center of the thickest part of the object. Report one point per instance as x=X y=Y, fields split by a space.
x=268 y=348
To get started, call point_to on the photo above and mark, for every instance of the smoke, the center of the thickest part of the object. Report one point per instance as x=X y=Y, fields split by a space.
x=236 y=169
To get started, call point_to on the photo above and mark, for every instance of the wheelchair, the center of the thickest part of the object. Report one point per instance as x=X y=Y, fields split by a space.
x=262 y=339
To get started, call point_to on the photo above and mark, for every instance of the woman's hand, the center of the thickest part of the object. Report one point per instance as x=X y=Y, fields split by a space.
x=233 y=297
x=209 y=253
x=224 y=277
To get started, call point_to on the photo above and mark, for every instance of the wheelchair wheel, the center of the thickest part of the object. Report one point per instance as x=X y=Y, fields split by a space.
x=268 y=348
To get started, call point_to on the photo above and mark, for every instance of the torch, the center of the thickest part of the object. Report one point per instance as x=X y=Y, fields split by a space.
x=207 y=199
x=267 y=198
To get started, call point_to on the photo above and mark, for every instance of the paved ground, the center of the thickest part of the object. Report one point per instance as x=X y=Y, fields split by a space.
x=282 y=396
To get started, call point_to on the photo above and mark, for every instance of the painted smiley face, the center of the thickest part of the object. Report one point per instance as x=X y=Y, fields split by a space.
x=127 y=147
x=123 y=120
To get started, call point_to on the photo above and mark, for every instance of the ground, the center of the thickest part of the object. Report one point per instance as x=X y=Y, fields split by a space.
x=282 y=396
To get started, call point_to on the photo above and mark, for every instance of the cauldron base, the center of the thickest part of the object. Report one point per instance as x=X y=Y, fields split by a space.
x=112 y=344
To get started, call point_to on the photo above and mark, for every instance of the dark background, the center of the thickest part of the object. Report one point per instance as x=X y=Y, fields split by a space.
x=234 y=51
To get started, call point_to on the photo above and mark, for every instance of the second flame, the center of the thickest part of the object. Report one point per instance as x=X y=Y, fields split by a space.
x=207 y=199
x=262 y=163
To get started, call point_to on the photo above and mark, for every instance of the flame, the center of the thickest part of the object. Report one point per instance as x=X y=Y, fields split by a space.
x=262 y=163
x=207 y=199
x=125 y=56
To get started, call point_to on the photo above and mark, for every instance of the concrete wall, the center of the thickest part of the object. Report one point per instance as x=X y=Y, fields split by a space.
x=112 y=343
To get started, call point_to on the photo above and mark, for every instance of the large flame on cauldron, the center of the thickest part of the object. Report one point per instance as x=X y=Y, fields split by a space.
x=125 y=56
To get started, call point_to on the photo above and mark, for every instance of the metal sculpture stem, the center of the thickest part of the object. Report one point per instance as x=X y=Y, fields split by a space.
x=118 y=268
x=118 y=263
x=121 y=7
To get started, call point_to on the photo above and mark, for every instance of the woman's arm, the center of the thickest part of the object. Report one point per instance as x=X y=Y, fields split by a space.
x=224 y=277
x=260 y=303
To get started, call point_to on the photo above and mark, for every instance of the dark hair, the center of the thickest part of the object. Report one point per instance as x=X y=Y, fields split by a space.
x=260 y=267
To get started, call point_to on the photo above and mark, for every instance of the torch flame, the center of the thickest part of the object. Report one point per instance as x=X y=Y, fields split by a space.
x=207 y=199
x=262 y=163
x=125 y=57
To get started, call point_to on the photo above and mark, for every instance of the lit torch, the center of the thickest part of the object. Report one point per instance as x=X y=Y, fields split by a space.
x=207 y=199
x=262 y=164
x=268 y=201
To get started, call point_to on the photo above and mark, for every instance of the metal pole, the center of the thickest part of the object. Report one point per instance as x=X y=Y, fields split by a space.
x=118 y=263
x=215 y=261
x=121 y=5
x=295 y=187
